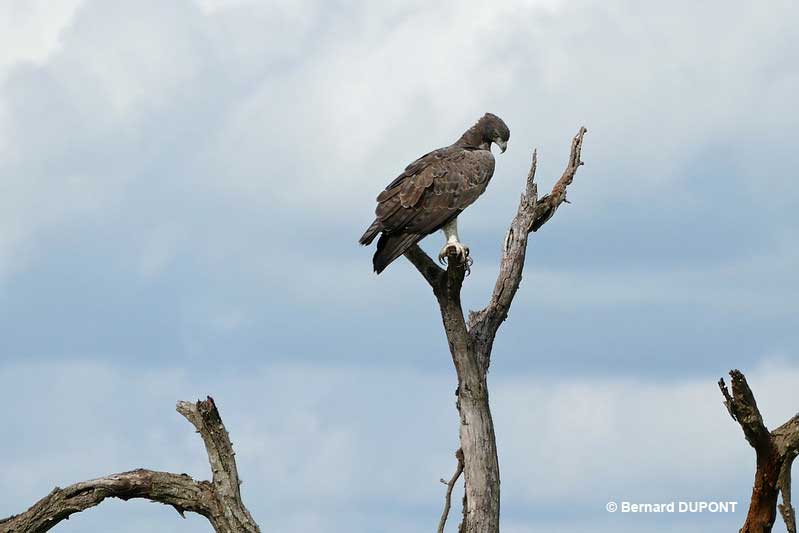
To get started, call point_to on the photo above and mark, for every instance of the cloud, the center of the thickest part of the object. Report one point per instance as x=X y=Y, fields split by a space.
x=337 y=448
x=155 y=129
x=349 y=130
x=29 y=29
x=283 y=104
x=183 y=183
x=186 y=163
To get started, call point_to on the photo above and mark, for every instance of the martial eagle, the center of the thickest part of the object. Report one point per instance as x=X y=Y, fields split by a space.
x=433 y=190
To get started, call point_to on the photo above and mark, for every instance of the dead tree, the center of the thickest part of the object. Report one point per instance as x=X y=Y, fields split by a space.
x=219 y=500
x=775 y=452
x=471 y=340
x=470 y=343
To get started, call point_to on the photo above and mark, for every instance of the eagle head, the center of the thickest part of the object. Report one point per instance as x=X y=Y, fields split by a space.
x=492 y=129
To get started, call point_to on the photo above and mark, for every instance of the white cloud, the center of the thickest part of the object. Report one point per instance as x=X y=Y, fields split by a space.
x=260 y=101
x=30 y=29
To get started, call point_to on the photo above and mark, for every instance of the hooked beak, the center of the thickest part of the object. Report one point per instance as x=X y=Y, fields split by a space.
x=502 y=145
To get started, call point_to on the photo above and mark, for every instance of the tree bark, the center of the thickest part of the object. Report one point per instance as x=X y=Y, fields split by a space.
x=470 y=343
x=218 y=500
x=784 y=483
x=775 y=452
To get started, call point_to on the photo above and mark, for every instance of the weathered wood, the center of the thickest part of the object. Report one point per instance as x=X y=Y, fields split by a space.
x=205 y=417
x=180 y=491
x=775 y=452
x=471 y=342
x=531 y=215
x=784 y=484
x=219 y=500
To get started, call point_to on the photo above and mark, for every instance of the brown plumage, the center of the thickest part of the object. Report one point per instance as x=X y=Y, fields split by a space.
x=433 y=190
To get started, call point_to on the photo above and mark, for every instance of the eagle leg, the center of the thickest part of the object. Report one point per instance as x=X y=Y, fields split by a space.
x=454 y=248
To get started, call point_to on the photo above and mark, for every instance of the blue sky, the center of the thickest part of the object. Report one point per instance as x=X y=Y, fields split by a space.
x=184 y=182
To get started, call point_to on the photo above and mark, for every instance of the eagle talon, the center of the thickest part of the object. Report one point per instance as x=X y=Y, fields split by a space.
x=456 y=250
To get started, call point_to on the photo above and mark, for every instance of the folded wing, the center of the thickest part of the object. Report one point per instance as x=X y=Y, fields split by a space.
x=431 y=191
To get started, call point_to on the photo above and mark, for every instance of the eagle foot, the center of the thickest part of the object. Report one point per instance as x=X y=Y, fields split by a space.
x=455 y=250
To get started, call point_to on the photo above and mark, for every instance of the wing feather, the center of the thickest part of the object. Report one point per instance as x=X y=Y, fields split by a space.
x=431 y=191
x=445 y=182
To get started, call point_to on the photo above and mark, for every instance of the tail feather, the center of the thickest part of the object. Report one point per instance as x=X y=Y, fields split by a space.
x=371 y=232
x=390 y=247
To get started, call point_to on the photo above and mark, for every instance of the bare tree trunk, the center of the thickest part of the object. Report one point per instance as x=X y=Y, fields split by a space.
x=218 y=500
x=775 y=453
x=470 y=342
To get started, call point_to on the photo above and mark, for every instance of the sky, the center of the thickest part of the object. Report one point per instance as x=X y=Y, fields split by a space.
x=182 y=187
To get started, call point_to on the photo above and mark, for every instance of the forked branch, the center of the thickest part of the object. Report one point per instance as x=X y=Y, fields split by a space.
x=530 y=216
x=470 y=343
x=219 y=501
x=775 y=453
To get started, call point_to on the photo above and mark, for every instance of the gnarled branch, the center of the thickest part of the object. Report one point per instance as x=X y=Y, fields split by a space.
x=425 y=265
x=205 y=417
x=743 y=408
x=219 y=501
x=530 y=216
x=775 y=453
x=180 y=491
